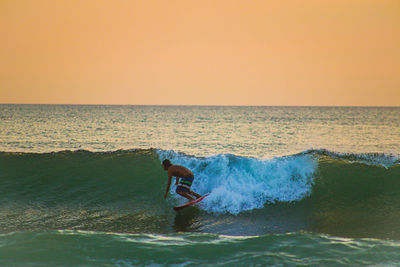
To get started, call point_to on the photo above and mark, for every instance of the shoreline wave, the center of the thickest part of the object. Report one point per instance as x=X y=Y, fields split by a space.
x=99 y=248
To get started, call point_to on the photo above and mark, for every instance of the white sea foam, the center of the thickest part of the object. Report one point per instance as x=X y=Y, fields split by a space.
x=238 y=184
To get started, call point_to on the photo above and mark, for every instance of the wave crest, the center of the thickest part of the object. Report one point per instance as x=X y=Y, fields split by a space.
x=239 y=183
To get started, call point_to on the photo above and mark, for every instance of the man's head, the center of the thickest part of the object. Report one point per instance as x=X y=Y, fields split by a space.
x=166 y=164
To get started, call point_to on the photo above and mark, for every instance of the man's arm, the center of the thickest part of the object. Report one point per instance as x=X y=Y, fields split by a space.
x=168 y=185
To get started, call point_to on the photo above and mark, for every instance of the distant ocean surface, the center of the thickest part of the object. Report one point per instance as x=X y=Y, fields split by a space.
x=83 y=185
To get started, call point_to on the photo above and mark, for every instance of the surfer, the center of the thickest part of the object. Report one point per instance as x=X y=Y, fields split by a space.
x=184 y=183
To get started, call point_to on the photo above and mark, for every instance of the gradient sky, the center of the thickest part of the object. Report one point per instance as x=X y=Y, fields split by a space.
x=195 y=52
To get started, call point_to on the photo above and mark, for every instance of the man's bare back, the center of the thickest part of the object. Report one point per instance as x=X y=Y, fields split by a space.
x=179 y=171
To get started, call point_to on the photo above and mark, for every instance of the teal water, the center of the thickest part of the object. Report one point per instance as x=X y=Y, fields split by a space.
x=83 y=185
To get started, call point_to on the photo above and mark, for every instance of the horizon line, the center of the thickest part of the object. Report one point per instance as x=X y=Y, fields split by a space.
x=195 y=105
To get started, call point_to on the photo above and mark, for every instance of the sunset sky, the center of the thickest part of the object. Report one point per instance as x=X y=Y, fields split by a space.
x=195 y=52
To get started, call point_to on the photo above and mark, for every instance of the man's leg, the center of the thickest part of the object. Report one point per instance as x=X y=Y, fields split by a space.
x=195 y=194
x=185 y=194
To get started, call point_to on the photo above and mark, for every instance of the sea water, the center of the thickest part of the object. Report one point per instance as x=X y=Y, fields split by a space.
x=83 y=185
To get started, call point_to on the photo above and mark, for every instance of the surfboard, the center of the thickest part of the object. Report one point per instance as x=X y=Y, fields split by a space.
x=190 y=203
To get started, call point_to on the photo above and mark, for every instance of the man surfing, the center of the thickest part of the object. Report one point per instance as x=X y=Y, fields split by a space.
x=184 y=183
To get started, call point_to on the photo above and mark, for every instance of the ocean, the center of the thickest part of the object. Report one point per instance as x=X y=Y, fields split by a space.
x=82 y=185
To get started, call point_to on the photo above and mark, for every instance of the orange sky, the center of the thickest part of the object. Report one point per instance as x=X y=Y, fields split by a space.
x=193 y=52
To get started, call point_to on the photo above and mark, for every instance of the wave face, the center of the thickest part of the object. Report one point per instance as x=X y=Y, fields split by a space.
x=122 y=191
